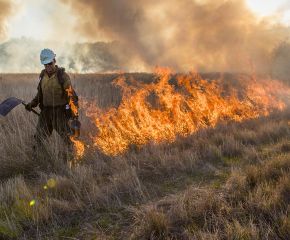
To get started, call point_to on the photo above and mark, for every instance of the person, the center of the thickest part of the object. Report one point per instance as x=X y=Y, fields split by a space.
x=53 y=99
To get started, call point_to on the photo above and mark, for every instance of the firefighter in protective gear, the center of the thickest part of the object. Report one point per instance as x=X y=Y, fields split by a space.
x=53 y=100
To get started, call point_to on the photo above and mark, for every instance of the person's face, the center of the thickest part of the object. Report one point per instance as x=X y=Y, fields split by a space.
x=50 y=67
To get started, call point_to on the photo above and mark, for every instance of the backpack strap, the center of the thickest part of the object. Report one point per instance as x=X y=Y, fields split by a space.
x=61 y=79
x=40 y=78
x=41 y=75
x=40 y=97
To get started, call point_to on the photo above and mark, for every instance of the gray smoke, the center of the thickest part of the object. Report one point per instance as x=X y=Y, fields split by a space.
x=212 y=34
x=281 y=61
x=23 y=55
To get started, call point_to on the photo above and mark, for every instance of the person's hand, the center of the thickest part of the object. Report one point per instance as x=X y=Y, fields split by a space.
x=29 y=106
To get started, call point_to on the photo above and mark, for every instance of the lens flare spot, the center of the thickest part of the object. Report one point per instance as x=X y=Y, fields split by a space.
x=45 y=187
x=51 y=183
x=201 y=47
x=32 y=202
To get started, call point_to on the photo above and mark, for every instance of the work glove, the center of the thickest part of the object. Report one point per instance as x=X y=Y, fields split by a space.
x=30 y=105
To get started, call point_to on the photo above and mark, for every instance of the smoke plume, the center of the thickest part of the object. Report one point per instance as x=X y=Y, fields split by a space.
x=212 y=34
x=23 y=56
x=9 y=10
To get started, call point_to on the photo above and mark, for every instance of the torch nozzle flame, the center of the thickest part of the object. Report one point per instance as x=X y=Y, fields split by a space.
x=71 y=103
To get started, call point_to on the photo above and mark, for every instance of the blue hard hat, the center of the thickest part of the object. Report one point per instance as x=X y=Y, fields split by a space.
x=46 y=56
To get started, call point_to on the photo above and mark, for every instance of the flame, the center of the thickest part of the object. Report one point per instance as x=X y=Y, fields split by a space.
x=109 y=72
x=71 y=103
x=119 y=72
x=180 y=110
x=83 y=102
x=79 y=146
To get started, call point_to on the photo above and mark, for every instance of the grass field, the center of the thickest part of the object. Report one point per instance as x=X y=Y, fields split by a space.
x=226 y=180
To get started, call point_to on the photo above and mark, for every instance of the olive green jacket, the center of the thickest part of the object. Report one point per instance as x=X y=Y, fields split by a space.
x=50 y=91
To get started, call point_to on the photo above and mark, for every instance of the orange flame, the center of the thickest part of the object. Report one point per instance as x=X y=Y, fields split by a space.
x=195 y=103
x=71 y=103
x=108 y=72
x=80 y=147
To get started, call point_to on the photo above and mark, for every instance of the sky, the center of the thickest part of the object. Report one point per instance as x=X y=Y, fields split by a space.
x=209 y=35
x=268 y=7
x=39 y=20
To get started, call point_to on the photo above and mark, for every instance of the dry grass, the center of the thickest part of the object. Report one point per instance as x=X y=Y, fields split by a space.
x=227 y=182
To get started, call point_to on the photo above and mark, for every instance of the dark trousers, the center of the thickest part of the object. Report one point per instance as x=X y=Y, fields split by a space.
x=52 y=118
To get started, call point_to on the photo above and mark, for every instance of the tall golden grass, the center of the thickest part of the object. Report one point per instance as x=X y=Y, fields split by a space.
x=227 y=182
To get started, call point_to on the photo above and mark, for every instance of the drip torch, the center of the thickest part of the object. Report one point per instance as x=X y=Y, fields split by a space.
x=75 y=125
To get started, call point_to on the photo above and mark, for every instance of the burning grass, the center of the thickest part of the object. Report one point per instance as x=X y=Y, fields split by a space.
x=193 y=104
x=225 y=179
